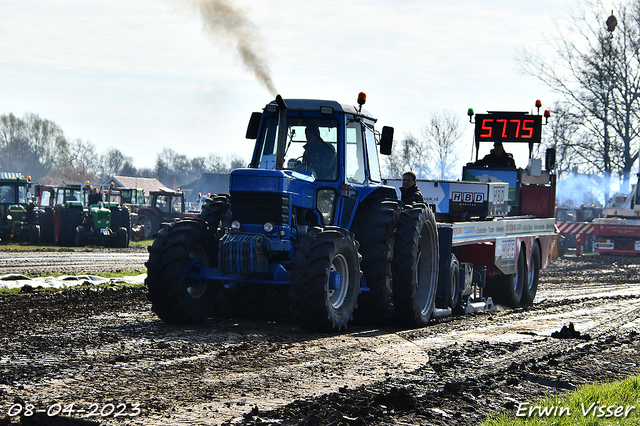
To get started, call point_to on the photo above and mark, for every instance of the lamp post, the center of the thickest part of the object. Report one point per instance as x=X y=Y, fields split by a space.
x=611 y=26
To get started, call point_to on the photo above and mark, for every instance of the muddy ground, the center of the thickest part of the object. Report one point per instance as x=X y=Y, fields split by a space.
x=102 y=357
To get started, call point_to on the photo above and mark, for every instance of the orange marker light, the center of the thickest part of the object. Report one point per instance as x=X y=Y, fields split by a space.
x=538 y=103
x=362 y=98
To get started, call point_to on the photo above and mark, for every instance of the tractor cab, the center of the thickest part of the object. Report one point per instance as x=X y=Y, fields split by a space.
x=317 y=158
x=17 y=216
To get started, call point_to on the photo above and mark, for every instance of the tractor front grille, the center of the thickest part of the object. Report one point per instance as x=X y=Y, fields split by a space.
x=258 y=208
x=243 y=254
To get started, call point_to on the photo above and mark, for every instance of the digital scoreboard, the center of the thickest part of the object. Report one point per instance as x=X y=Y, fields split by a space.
x=508 y=127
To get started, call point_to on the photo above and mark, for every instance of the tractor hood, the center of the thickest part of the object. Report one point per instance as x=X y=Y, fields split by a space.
x=300 y=187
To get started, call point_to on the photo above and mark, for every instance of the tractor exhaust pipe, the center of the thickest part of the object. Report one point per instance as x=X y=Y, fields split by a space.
x=282 y=132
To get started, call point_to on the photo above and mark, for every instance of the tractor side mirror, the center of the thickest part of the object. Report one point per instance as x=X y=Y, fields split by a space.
x=254 y=125
x=386 y=140
x=550 y=159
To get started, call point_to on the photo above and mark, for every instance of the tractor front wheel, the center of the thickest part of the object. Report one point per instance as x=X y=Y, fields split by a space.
x=175 y=297
x=325 y=279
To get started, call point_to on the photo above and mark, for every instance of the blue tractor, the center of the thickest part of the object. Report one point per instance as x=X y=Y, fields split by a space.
x=308 y=224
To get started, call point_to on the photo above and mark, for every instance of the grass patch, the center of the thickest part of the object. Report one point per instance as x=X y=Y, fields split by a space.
x=593 y=404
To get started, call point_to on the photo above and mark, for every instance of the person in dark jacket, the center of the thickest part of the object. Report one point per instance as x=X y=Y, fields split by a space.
x=410 y=191
x=95 y=197
x=497 y=157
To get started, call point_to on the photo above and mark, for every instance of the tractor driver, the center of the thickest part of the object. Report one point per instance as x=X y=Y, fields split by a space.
x=319 y=155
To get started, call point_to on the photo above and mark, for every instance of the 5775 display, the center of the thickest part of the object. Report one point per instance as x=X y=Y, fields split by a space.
x=508 y=127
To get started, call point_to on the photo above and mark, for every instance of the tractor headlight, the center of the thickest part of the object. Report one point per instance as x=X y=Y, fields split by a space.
x=325 y=201
x=268 y=227
x=9 y=217
x=235 y=225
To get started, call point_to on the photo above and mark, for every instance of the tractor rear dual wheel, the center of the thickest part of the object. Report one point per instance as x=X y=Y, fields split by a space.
x=374 y=227
x=415 y=266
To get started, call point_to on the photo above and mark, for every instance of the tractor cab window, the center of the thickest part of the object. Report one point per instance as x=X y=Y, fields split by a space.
x=176 y=204
x=311 y=146
x=162 y=203
x=355 y=153
x=45 y=198
x=7 y=194
x=23 y=194
x=372 y=155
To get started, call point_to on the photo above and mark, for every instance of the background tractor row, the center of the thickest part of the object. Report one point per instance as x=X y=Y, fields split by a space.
x=67 y=219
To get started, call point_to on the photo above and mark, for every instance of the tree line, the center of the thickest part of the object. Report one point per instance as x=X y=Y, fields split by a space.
x=37 y=147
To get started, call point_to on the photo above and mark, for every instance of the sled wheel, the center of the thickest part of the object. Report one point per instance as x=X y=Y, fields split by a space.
x=511 y=286
x=175 y=298
x=325 y=279
x=374 y=227
x=455 y=293
x=533 y=274
x=415 y=266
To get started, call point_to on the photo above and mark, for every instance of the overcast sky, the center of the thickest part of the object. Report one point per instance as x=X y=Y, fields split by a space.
x=143 y=75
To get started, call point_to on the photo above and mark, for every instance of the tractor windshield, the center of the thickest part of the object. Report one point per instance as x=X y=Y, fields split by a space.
x=311 y=146
x=7 y=194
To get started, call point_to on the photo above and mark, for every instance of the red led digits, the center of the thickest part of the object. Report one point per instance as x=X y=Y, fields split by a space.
x=517 y=127
x=489 y=129
x=529 y=130
x=508 y=127
x=504 y=127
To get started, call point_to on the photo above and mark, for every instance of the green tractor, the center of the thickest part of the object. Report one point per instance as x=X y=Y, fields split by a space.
x=72 y=218
x=18 y=219
x=105 y=223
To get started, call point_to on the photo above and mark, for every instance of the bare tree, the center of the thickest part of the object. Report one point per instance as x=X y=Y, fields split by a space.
x=597 y=70
x=46 y=140
x=442 y=133
x=411 y=154
x=83 y=155
x=112 y=162
x=31 y=145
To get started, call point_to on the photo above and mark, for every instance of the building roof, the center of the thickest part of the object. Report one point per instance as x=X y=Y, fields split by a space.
x=146 y=184
x=207 y=183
